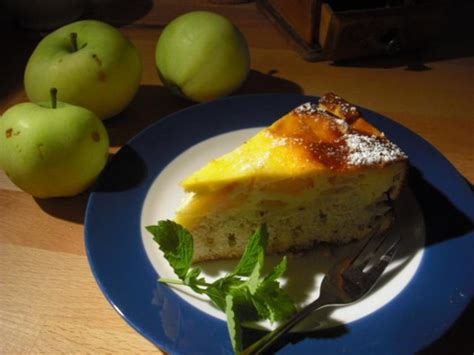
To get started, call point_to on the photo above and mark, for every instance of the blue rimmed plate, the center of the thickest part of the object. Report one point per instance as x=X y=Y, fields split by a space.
x=431 y=289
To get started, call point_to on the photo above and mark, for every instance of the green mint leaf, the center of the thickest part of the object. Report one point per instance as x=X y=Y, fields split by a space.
x=278 y=270
x=233 y=323
x=217 y=296
x=243 y=294
x=269 y=293
x=228 y=282
x=261 y=308
x=278 y=303
x=220 y=288
x=243 y=305
x=255 y=245
x=253 y=281
x=176 y=243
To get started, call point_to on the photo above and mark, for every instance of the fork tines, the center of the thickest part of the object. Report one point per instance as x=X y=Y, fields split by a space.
x=370 y=263
x=374 y=248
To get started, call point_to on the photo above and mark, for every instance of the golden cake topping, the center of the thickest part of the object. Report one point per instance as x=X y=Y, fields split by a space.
x=307 y=139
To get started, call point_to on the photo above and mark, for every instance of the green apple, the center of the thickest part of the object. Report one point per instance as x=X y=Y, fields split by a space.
x=201 y=56
x=91 y=63
x=52 y=149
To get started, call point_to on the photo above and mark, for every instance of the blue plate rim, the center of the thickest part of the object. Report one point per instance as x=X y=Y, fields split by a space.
x=358 y=328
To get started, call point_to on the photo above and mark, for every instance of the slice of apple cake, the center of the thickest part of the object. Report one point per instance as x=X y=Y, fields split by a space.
x=319 y=173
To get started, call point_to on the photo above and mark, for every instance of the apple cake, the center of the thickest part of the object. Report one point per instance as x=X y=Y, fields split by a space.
x=321 y=173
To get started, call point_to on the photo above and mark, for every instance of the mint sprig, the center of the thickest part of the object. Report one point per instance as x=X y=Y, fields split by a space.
x=177 y=245
x=256 y=245
x=244 y=294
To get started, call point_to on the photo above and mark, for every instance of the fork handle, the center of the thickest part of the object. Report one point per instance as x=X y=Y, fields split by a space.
x=269 y=339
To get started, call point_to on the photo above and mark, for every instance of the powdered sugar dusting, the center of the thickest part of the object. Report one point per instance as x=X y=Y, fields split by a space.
x=307 y=107
x=279 y=142
x=257 y=163
x=369 y=150
x=341 y=125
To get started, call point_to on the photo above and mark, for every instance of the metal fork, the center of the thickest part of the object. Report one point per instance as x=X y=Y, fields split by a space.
x=346 y=282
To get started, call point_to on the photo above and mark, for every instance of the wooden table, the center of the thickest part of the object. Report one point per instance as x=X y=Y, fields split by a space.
x=49 y=300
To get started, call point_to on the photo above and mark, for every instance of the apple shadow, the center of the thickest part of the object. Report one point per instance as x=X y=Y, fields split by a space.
x=67 y=208
x=259 y=82
x=117 y=12
x=125 y=170
x=150 y=103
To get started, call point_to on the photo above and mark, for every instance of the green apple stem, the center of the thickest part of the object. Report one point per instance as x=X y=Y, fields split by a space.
x=73 y=37
x=53 y=92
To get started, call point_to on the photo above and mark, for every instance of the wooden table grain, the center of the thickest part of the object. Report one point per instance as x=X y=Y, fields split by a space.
x=49 y=300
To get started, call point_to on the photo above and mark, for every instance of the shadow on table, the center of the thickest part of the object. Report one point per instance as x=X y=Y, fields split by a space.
x=68 y=208
x=259 y=82
x=416 y=61
x=150 y=104
x=124 y=171
x=443 y=221
x=117 y=12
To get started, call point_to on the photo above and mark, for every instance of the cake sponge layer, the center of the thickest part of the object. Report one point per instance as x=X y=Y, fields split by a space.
x=331 y=207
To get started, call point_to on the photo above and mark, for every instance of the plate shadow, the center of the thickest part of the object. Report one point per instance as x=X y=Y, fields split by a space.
x=458 y=337
x=443 y=221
